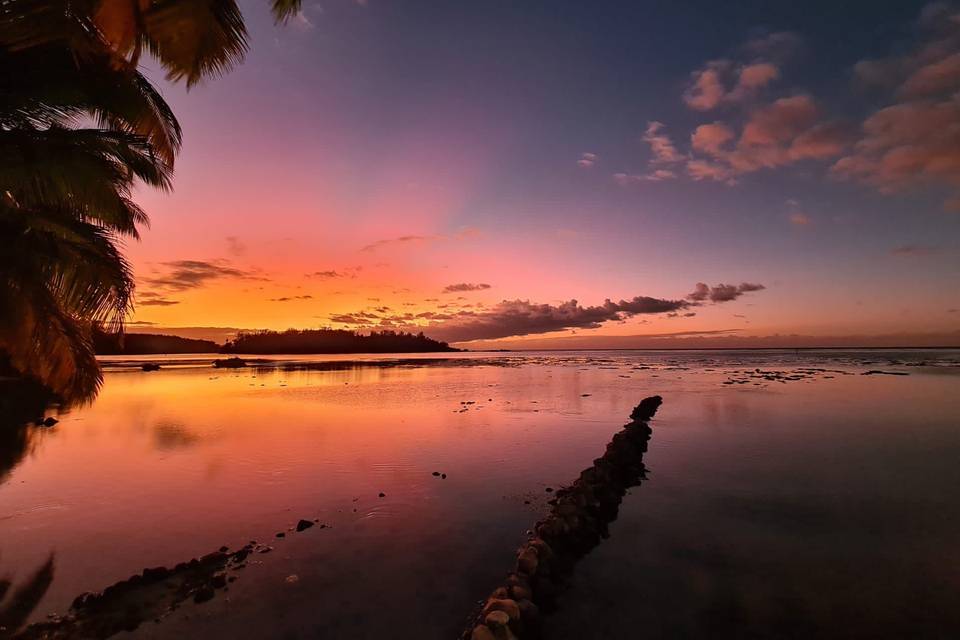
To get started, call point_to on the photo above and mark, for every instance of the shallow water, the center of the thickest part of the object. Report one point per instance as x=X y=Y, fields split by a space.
x=824 y=505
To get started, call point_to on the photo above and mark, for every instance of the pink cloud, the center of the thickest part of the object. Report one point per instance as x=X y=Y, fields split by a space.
x=587 y=160
x=778 y=134
x=907 y=145
x=711 y=138
x=709 y=86
x=657 y=175
x=934 y=78
x=707 y=170
x=755 y=76
x=661 y=146
x=707 y=90
x=820 y=142
x=782 y=120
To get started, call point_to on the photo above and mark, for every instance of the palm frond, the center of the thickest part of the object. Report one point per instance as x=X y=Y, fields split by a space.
x=58 y=276
x=195 y=39
x=62 y=87
x=89 y=172
x=283 y=10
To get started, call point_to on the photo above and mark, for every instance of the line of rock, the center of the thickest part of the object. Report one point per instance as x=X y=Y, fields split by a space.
x=578 y=520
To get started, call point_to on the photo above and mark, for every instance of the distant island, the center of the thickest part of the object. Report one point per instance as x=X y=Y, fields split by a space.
x=112 y=344
x=332 y=341
x=266 y=342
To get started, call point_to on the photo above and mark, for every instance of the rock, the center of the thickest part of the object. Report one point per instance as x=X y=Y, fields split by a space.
x=529 y=613
x=382 y=495
x=646 y=409
x=218 y=581
x=436 y=474
x=549 y=489
x=224 y=549
x=203 y=594
x=155 y=574
x=281 y=534
x=443 y=476
x=230 y=363
x=482 y=632
x=150 y=366
x=518 y=593
x=496 y=619
x=292 y=579
x=528 y=561
x=303 y=525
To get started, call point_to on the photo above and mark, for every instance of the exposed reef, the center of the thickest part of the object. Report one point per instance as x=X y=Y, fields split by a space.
x=230 y=363
x=577 y=522
x=149 y=595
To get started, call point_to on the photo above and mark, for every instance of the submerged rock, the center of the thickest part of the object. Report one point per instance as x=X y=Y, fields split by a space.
x=230 y=363
x=303 y=525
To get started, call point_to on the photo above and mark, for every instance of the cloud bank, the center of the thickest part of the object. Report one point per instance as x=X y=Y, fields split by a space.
x=521 y=317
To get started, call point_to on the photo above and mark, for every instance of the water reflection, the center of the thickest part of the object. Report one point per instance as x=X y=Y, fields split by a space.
x=17 y=604
x=22 y=409
x=169 y=464
x=171 y=435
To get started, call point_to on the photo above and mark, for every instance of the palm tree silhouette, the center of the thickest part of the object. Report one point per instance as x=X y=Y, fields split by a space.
x=65 y=188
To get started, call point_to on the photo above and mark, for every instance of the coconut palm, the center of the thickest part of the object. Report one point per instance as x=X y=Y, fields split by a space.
x=61 y=268
x=192 y=39
x=79 y=125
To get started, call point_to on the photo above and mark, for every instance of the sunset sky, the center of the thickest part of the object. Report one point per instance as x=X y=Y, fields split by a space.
x=475 y=167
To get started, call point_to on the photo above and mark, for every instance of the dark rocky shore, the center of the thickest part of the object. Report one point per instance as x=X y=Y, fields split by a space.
x=578 y=520
x=150 y=595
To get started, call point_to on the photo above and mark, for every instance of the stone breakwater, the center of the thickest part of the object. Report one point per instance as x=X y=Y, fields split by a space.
x=578 y=520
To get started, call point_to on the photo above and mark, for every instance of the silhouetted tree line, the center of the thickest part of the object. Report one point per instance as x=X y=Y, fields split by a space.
x=332 y=341
x=112 y=344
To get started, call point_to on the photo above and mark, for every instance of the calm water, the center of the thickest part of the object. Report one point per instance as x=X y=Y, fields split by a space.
x=822 y=506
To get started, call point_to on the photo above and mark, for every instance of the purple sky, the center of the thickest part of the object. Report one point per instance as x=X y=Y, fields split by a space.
x=472 y=168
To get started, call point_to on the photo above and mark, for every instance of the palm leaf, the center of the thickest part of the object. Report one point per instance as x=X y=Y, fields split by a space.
x=62 y=88
x=194 y=39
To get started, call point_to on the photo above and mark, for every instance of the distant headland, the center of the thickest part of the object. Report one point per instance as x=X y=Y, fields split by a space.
x=302 y=341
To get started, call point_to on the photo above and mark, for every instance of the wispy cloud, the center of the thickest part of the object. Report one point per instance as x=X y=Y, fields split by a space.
x=290 y=298
x=465 y=286
x=914 y=250
x=153 y=299
x=182 y=275
x=661 y=146
x=464 y=234
x=587 y=160
x=332 y=274
x=235 y=247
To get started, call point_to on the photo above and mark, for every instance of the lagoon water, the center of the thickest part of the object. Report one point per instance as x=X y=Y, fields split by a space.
x=812 y=502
